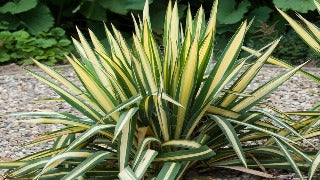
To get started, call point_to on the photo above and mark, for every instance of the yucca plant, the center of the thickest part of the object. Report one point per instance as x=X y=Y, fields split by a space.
x=310 y=34
x=153 y=113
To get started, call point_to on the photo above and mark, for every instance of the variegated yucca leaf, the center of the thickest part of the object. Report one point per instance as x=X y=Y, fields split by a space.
x=200 y=153
x=169 y=171
x=88 y=164
x=289 y=157
x=232 y=137
x=144 y=162
x=142 y=146
x=152 y=110
x=127 y=173
x=310 y=34
x=59 y=158
x=315 y=165
x=282 y=63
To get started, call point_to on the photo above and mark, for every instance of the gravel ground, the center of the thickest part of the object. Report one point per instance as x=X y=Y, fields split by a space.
x=18 y=90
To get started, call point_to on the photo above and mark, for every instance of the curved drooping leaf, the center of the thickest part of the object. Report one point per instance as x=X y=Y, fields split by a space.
x=282 y=63
x=315 y=165
x=182 y=143
x=250 y=171
x=127 y=173
x=304 y=113
x=29 y=167
x=261 y=130
x=63 y=121
x=125 y=142
x=123 y=119
x=88 y=134
x=142 y=146
x=289 y=157
x=232 y=137
x=18 y=6
x=281 y=163
x=169 y=171
x=59 y=158
x=203 y=152
x=89 y=163
x=144 y=162
x=10 y=165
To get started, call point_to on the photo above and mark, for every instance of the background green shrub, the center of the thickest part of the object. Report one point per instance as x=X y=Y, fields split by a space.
x=19 y=46
x=38 y=16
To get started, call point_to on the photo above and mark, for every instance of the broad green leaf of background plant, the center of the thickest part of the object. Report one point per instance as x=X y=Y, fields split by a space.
x=260 y=13
x=6 y=18
x=123 y=6
x=228 y=13
x=94 y=11
x=302 y=6
x=40 y=23
x=4 y=56
x=158 y=9
x=18 y=6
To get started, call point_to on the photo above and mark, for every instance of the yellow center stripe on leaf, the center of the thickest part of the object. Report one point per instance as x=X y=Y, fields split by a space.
x=75 y=174
x=314 y=166
x=301 y=31
x=21 y=170
x=187 y=82
x=264 y=90
x=145 y=64
x=87 y=134
x=249 y=75
x=228 y=57
x=55 y=121
x=95 y=90
x=281 y=63
x=123 y=146
x=233 y=141
x=68 y=95
x=213 y=18
x=188 y=143
x=169 y=171
x=185 y=156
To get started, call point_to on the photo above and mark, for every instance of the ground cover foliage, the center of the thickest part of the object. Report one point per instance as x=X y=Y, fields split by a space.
x=19 y=46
